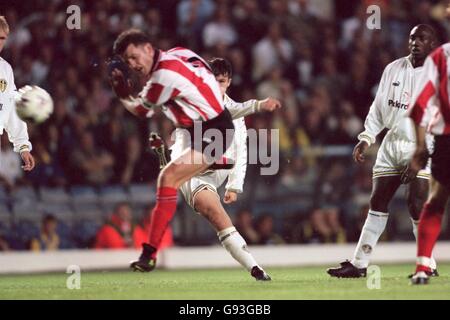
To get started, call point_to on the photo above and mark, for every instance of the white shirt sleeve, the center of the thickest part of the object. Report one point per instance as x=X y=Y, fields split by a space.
x=239 y=110
x=374 y=120
x=237 y=175
x=15 y=127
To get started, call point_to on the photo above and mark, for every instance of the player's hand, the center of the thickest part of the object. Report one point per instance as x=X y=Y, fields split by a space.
x=359 y=150
x=28 y=161
x=122 y=87
x=229 y=197
x=270 y=104
x=120 y=77
x=418 y=162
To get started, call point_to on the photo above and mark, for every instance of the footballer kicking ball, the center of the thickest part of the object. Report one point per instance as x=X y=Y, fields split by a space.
x=34 y=105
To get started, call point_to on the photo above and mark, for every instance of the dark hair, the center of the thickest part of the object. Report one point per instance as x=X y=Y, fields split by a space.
x=130 y=36
x=48 y=217
x=221 y=66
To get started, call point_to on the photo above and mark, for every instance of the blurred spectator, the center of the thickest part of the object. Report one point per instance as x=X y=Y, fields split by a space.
x=266 y=232
x=244 y=225
x=48 y=239
x=120 y=231
x=324 y=227
x=271 y=51
x=192 y=16
x=91 y=164
x=4 y=246
x=142 y=230
x=219 y=30
x=48 y=171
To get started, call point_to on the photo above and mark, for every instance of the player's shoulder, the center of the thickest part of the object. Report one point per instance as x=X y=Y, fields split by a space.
x=442 y=51
x=402 y=62
x=5 y=64
x=228 y=101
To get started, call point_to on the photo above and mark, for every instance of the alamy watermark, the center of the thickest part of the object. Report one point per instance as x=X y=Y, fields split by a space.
x=373 y=22
x=73 y=281
x=73 y=21
x=373 y=277
x=263 y=146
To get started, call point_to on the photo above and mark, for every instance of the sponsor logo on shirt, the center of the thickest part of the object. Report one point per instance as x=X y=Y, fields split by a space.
x=396 y=83
x=397 y=104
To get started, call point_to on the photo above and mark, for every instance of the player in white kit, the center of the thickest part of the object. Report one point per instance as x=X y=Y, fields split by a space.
x=9 y=121
x=389 y=110
x=200 y=192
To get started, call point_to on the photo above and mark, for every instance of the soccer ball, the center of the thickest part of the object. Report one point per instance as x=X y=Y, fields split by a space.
x=35 y=105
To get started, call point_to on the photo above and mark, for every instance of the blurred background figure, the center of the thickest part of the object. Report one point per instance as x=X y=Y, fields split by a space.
x=265 y=230
x=244 y=225
x=119 y=232
x=48 y=239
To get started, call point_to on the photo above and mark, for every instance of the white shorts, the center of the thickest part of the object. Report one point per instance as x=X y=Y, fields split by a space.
x=393 y=157
x=210 y=180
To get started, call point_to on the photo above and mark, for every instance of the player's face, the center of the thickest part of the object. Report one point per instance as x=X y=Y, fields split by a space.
x=139 y=58
x=3 y=37
x=224 y=82
x=421 y=42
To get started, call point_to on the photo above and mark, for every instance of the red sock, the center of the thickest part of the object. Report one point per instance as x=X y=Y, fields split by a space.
x=162 y=213
x=428 y=232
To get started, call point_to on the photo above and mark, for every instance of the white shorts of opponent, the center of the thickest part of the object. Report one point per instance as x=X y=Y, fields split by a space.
x=394 y=155
x=210 y=180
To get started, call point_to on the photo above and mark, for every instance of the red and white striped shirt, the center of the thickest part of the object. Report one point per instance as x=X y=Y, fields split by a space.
x=183 y=85
x=431 y=104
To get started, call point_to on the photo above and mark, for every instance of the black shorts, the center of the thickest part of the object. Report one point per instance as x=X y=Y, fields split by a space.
x=213 y=143
x=440 y=164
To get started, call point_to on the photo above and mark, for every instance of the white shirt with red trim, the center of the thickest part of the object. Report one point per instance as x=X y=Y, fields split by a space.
x=183 y=85
x=392 y=101
x=431 y=104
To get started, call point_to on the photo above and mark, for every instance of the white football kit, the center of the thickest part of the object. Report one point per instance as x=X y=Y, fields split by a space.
x=9 y=121
x=389 y=110
x=237 y=153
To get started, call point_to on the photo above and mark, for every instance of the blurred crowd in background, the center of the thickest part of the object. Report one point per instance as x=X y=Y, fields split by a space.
x=318 y=57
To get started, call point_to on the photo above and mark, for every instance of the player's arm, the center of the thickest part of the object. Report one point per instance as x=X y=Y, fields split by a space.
x=239 y=110
x=17 y=130
x=373 y=123
x=235 y=183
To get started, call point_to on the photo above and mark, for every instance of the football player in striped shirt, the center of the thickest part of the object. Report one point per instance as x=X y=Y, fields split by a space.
x=431 y=113
x=182 y=84
x=388 y=110
x=200 y=192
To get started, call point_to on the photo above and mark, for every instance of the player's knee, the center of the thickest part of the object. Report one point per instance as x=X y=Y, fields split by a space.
x=415 y=205
x=167 y=177
x=377 y=203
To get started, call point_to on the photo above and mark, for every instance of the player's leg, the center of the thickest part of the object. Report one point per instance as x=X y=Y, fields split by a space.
x=416 y=195
x=207 y=203
x=384 y=188
x=383 y=191
x=188 y=164
x=429 y=229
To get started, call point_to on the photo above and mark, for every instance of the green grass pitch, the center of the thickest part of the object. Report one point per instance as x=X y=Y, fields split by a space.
x=224 y=284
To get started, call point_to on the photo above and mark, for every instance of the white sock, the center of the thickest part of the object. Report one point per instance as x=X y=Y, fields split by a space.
x=415 y=224
x=371 y=232
x=237 y=247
